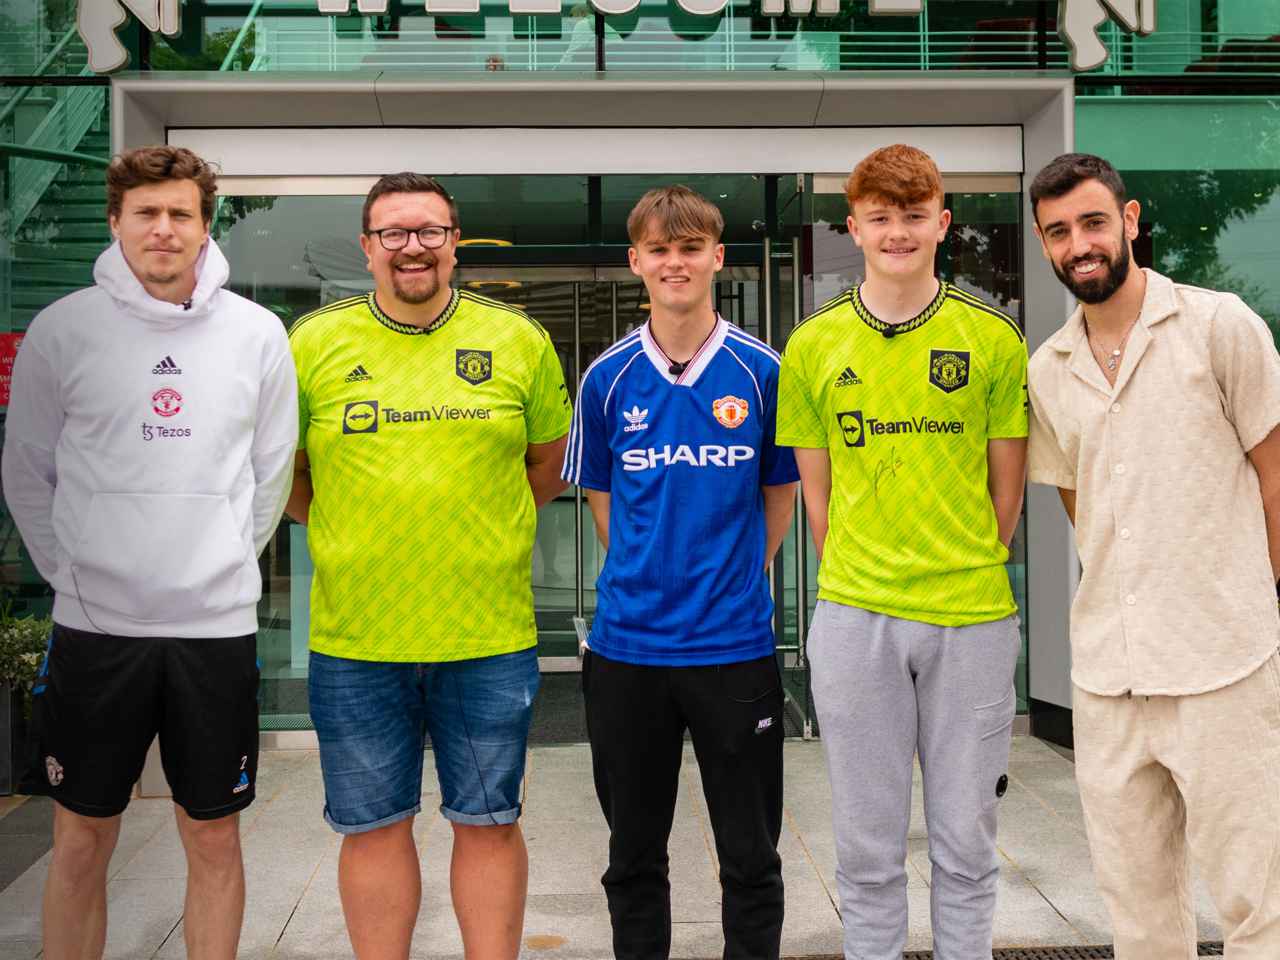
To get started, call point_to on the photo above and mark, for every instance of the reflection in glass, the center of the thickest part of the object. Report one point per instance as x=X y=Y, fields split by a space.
x=982 y=252
x=1214 y=229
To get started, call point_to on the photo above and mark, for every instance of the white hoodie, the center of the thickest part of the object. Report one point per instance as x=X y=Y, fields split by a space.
x=148 y=452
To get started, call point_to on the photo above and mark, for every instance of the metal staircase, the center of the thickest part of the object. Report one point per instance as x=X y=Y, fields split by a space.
x=53 y=145
x=55 y=246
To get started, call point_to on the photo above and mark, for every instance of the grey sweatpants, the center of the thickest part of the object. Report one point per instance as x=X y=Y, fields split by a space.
x=885 y=689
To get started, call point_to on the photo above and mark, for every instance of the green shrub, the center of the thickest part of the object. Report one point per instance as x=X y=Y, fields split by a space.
x=23 y=641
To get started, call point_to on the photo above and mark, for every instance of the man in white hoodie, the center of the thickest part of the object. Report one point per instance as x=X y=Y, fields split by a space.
x=147 y=455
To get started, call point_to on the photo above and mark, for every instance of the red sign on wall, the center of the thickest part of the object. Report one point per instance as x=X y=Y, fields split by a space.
x=8 y=351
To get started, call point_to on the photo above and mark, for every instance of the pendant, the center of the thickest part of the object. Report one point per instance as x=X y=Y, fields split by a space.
x=1113 y=359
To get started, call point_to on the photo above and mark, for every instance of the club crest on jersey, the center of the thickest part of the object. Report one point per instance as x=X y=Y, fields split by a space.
x=474 y=366
x=53 y=770
x=949 y=369
x=167 y=402
x=635 y=419
x=731 y=411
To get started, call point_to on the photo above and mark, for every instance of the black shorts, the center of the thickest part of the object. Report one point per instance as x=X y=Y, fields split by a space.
x=101 y=700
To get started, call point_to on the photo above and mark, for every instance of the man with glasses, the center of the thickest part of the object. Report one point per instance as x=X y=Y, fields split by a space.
x=433 y=424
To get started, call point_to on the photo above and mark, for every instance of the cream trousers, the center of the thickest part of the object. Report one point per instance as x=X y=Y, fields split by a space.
x=1169 y=780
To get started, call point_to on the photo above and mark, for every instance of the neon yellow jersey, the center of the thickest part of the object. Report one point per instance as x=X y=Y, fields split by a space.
x=905 y=413
x=422 y=522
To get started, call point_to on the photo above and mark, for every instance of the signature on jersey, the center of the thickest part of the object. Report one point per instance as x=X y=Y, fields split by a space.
x=886 y=469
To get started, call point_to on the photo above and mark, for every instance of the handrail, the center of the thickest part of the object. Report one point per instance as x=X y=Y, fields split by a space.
x=45 y=64
x=58 y=156
x=240 y=37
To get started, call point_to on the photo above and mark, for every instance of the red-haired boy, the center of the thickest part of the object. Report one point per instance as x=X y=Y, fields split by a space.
x=906 y=400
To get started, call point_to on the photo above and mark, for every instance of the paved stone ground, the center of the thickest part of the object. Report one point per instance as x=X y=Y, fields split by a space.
x=1047 y=895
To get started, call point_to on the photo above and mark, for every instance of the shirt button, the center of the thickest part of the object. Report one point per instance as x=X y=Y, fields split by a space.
x=1131 y=600
x=1120 y=469
x=1124 y=534
x=1115 y=408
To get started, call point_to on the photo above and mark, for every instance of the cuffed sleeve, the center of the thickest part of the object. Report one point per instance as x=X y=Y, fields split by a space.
x=275 y=441
x=1247 y=368
x=1046 y=461
x=799 y=424
x=1007 y=396
x=32 y=428
x=547 y=412
x=777 y=463
x=588 y=457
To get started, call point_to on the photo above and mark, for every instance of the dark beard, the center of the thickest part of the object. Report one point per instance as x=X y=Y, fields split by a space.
x=1100 y=290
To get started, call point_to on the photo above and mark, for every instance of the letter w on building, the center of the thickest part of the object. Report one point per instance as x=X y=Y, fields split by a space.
x=98 y=21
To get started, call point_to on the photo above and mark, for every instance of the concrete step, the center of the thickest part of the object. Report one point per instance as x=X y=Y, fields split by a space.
x=60 y=232
x=37 y=298
x=82 y=252
x=50 y=216
x=90 y=194
x=51 y=271
x=81 y=174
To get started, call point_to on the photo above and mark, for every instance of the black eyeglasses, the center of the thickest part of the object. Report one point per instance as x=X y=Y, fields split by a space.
x=397 y=238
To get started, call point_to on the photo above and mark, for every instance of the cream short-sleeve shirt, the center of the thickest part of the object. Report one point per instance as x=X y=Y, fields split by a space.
x=1177 y=594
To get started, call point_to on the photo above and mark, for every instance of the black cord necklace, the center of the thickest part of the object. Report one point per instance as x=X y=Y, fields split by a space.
x=677 y=367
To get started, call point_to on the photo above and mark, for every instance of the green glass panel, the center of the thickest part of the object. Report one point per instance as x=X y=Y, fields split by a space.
x=1181 y=133
x=1206 y=171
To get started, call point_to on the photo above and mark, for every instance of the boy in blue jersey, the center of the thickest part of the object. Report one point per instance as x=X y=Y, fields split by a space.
x=673 y=441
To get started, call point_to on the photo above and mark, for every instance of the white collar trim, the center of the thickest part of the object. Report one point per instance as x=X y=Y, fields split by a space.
x=697 y=363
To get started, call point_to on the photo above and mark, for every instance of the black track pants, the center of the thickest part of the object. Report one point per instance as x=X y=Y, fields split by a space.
x=636 y=718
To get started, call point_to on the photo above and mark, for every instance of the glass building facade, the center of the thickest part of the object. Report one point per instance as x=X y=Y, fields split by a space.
x=1190 y=114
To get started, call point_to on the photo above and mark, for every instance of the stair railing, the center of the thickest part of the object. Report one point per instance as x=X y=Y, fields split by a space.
x=11 y=107
x=228 y=62
x=60 y=131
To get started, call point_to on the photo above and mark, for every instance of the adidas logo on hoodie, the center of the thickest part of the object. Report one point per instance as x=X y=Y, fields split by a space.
x=166 y=366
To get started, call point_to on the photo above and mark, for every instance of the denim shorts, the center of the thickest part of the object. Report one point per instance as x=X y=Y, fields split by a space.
x=372 y=720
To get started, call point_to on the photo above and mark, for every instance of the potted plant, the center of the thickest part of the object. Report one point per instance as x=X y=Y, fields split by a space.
x=23 y=641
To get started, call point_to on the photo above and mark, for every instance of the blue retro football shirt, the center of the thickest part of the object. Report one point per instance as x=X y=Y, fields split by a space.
x=683 y=458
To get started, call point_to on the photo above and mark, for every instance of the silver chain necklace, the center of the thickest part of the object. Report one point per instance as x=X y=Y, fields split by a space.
x=1110 y=359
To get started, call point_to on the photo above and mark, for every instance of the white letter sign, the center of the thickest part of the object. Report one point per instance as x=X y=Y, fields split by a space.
x=1078 y=20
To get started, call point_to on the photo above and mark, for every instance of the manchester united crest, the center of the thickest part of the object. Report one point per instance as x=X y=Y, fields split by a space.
x=166 y=402
x=949 y=369
x=53 y=770
x=731 y=411
x=474 y=366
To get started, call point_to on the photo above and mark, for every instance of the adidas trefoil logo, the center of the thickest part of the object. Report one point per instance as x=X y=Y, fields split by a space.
x=635 y=419
x=358 y=374
x=166 y=366
x=848 y=378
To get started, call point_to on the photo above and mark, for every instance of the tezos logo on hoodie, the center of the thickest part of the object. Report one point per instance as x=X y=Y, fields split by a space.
x=158 y=431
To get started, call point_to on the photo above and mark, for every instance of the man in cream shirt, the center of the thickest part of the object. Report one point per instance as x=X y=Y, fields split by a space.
x=1154 y=411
